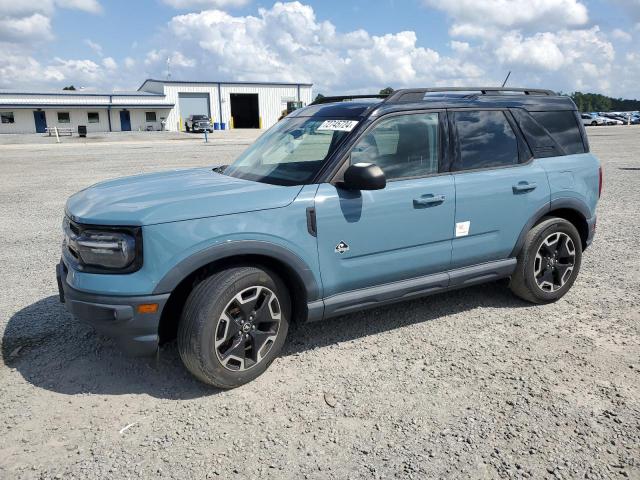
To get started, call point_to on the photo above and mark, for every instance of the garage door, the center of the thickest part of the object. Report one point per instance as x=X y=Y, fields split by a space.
x=194 y=104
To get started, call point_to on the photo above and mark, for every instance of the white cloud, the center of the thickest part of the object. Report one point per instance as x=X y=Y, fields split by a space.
x=129 y=63
x=621 y=35
x=514 y=13
x=287 y=43
x=109 y=63
x=91 y=6
x=205 y=4
x=35 y=27
x=459 y=47
x=96 y=47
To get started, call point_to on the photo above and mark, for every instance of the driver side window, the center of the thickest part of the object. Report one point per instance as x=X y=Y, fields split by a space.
x=402 y=146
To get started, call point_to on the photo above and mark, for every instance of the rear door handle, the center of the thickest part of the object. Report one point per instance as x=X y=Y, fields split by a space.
x=523 y=187
x=428 y=200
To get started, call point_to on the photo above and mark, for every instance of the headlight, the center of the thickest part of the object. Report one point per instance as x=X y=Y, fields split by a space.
x=102 y=249
x=106 y=249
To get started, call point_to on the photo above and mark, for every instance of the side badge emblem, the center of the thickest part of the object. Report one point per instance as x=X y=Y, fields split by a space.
x=342 y=247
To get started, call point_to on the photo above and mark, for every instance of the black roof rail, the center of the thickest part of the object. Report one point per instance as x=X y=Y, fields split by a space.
x=418 y=94
x=343 y=98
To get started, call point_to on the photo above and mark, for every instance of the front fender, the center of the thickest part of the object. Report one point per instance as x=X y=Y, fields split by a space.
x=238 y=248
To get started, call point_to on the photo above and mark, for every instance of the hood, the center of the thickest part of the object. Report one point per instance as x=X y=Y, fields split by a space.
x=173 y=196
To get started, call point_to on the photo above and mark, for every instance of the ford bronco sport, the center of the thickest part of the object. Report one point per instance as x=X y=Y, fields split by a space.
x=346 y=204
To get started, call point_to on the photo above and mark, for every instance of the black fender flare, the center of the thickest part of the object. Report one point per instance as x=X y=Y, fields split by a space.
x=565 y=202
x=238 y=248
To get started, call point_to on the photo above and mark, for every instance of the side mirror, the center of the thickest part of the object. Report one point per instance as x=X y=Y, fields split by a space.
x=364 y=176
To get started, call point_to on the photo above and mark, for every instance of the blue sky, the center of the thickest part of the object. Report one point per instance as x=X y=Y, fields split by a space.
x=340 y=46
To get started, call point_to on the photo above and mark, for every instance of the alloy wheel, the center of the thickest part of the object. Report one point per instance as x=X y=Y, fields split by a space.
x=554 y=262
x=247 y=328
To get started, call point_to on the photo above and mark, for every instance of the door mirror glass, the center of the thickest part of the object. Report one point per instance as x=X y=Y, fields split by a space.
x=364 y=176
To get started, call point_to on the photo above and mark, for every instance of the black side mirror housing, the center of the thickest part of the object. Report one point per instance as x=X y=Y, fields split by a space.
x=364 y=176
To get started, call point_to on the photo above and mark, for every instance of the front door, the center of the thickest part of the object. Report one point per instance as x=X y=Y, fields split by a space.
x=499 y=188
x=40 y=120
x=404 y=231
x=125 y=121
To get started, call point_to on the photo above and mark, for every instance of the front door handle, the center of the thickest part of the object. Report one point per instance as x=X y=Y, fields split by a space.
x=524 y=187
x=428 y=200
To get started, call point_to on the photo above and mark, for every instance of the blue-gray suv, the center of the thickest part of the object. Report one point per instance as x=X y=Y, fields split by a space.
x=349 y=203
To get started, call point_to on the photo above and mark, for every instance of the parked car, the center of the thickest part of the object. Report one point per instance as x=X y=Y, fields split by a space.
x=198 y=123
x=612 y=119
x=588 y=119
x=343 y=205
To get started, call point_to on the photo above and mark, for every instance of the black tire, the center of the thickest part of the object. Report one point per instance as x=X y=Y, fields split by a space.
x=186 y=127
x=594 y=124
x=524 y=281
x=200 y=326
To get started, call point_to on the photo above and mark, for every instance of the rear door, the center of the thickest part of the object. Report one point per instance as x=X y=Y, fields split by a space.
x=368 y=238
x=499 y=186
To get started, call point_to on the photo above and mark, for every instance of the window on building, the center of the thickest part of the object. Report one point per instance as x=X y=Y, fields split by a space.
x=485 y=139
x=402 y=146
x=563 y=127
x=64 y=117
x=7 y=117
x=151 y=116
x=93 y=117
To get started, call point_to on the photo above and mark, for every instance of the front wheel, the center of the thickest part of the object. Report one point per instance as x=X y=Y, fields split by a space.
x=549 y=261
x=594 y=124
x=233 y=326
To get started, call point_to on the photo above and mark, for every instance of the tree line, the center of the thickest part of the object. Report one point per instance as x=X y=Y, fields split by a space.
x=594 y=102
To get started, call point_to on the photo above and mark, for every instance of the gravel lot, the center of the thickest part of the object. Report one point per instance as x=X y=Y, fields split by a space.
x=469 y=384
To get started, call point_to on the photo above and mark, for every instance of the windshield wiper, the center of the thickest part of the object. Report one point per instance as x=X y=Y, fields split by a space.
x=219 y=169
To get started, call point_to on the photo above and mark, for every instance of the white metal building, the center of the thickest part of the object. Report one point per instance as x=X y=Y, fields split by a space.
x=234 y=104
x=229 y=105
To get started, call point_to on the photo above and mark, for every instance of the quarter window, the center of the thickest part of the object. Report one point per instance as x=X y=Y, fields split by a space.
x=93 y=117
x=63 y=117
x=485 y=140
x=7 y=117
x=151 y=116
x=402 y=146
x=563 y=127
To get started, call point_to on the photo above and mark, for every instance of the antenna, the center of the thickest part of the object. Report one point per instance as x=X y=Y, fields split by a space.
x=168 y=68
x=506 y=79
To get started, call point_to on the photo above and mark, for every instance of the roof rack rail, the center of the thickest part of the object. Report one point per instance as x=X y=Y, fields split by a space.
x=343 y=98
x=418 y=94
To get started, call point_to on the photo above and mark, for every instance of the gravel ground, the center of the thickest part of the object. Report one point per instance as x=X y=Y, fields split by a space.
x=469 y=384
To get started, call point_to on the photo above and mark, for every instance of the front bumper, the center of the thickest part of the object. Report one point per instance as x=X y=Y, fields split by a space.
x=115 y=316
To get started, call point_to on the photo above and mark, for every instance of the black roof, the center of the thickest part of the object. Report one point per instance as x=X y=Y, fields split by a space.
x=419 y=99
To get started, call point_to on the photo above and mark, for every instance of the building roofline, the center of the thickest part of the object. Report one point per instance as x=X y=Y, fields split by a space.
x=62 y=106
x=200 y=82
x=79 y=93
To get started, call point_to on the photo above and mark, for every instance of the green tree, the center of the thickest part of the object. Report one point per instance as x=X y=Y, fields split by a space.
x=319 y=97
x=70 y=87
x=386 y=91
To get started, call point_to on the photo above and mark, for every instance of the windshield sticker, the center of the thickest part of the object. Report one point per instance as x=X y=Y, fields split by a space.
x=339 y=125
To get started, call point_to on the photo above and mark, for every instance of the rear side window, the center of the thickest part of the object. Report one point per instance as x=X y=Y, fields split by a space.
x=563 y=127
x=485 y=140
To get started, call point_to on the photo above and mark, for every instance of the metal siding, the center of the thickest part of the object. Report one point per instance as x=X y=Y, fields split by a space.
x=271 y=98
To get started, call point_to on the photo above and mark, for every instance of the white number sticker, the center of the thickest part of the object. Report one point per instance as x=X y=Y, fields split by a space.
x=339 y=125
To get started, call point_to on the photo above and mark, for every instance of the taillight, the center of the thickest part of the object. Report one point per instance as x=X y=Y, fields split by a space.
x=599 y=182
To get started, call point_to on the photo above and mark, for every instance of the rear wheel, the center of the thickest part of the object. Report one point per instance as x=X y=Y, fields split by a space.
x=549 y=261
x=233 y=326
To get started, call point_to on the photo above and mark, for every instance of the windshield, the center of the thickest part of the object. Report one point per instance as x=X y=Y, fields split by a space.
x=291 y=152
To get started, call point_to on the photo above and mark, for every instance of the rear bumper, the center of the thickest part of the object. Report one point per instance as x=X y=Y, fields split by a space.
x=115 y=316
x=591 y=223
